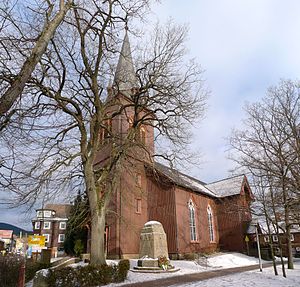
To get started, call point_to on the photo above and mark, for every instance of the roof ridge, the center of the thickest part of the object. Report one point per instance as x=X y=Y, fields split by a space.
x=201 y=182
x=231 y=177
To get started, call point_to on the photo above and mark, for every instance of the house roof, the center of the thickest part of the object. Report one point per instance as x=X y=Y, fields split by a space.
x=6 y=234
x=228 y=186
x=61 y=210
x=183 y=180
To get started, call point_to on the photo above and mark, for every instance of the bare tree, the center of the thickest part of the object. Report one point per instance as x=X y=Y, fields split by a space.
x=68 y=115
x=269 y=147
x=30 y=50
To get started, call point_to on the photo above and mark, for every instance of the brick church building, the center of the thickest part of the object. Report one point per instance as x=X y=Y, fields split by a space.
x=197 y=217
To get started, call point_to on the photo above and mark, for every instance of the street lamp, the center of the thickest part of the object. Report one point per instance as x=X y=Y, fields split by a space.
x=258 y=247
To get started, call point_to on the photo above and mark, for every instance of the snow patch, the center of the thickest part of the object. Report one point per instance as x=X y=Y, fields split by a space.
x=152 y=222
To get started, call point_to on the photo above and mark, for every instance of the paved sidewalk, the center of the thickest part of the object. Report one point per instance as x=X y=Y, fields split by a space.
x=187 y=278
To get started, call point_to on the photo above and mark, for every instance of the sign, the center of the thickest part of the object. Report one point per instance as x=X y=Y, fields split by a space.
x=37 y=240
x=247 y=238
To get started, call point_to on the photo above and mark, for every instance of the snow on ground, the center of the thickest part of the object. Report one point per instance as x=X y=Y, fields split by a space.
x=215 y=261
x=252 y=279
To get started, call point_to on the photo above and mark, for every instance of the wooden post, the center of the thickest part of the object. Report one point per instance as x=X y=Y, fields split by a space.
x=21 y=281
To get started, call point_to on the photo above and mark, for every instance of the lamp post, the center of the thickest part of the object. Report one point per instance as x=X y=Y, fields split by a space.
x=258 y=247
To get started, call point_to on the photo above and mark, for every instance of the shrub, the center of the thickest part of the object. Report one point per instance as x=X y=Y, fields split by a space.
x=123 y=268
x=32 y=267
x=88 y=276
x=9 y=269
x=78 y=247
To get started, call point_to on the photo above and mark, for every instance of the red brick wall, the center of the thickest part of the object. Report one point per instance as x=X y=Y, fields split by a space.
x=201 y=202
x=161 y=207
x=233 y=217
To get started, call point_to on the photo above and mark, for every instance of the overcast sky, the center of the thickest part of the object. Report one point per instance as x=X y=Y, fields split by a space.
x=244 y=46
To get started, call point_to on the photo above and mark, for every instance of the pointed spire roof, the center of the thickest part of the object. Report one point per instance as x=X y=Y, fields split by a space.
x=125 y=78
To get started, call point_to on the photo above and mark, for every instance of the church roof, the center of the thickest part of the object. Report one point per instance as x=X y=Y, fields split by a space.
x=183 y=180
x=222 y=188
x=228 y=186
x=125 y=78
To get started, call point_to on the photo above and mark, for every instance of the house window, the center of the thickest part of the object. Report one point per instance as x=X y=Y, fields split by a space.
x=267 y=239
x=47 y=225
x=47 y=237
x=292 y=237
x=39 y=214
x=193 y=234
x=138 y=205
x=275 y=238
x=210 y=224
x=62 y=225
x=37 y=225
x=61 y=237
x=47 y=213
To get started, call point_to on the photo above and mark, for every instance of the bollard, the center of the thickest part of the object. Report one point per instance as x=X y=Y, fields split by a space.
x=21 y=281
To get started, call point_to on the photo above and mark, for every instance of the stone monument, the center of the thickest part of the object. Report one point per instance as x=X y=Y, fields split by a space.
x=153 y=242
x=153 y=250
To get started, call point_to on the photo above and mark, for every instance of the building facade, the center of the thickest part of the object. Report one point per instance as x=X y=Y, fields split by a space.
x=51 y=221
x=197 y=217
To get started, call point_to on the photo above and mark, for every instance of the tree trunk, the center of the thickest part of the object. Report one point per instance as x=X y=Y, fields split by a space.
x=288 y=229
x=97 y=238
x=271 y=242
x=288 y=240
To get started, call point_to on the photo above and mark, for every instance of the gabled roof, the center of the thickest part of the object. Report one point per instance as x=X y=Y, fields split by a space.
x=183 y=180
x=228 y=186
x=6 y=234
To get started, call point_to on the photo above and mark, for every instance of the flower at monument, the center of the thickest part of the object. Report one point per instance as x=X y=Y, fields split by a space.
x=163 y=262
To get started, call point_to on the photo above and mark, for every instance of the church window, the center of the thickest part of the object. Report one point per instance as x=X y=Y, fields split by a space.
x=143 y=135
x=138 y=179
x=130 y=122
x=105 y=132
x=192 y=221
x=138 y=205
x=210 y=224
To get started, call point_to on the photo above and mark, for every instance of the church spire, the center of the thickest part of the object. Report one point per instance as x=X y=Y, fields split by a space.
x=125 y=78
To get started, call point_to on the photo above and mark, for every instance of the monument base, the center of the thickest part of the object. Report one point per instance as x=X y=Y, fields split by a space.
x=170 y=269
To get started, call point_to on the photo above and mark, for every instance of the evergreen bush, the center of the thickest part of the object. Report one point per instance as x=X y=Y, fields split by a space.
x=88 y=276
x=123 y=268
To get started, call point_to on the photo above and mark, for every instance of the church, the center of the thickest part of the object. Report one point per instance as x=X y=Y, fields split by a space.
x=197 y=217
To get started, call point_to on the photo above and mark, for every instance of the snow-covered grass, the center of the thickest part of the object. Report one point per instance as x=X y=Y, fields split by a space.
x=253 y=279
x=215 y=261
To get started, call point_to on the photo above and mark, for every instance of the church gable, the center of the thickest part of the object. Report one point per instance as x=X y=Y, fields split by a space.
x=236 y=185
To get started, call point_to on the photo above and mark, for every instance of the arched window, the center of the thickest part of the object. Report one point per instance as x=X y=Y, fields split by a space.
x=143 y=135
x=210 y=224
x=193 y=233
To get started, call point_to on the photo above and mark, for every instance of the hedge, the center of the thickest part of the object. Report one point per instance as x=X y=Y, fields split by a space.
x=88 y=276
